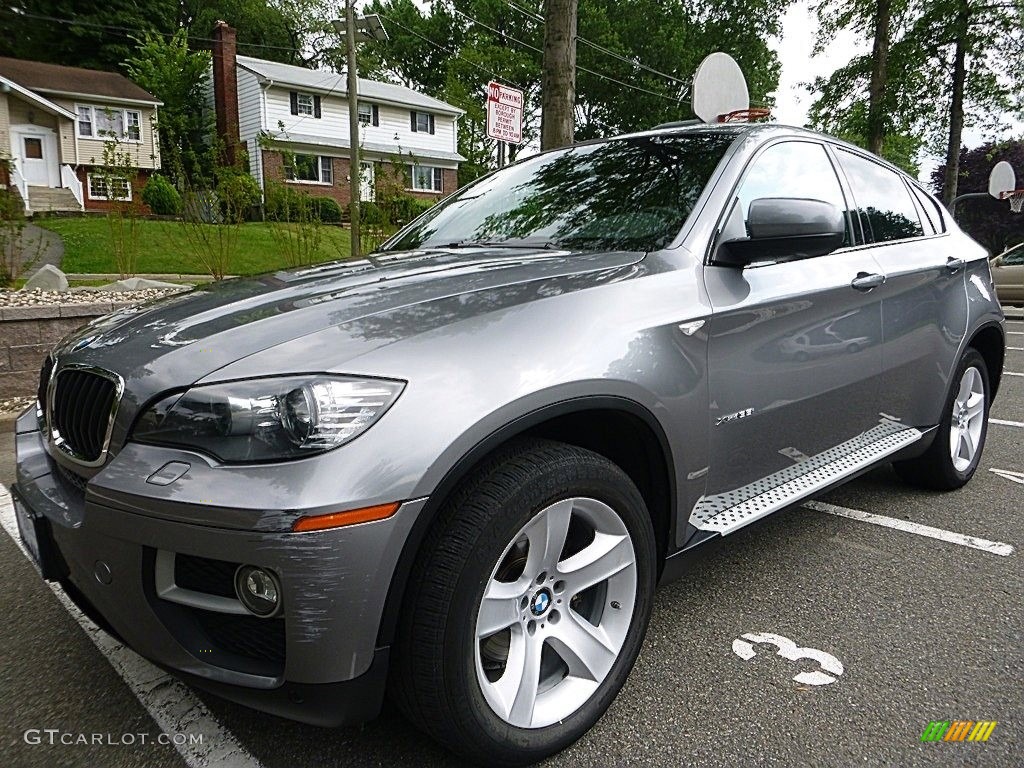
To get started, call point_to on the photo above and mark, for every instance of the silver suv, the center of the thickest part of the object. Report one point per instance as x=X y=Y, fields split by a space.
x=457 y=469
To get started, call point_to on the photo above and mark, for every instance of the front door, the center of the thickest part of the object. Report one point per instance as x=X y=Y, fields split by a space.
x=795 y=350
x=367 y=184
x=36 y=154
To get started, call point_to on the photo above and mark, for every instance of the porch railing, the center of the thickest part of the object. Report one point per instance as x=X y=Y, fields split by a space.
x=22 y=186
x=69 y=180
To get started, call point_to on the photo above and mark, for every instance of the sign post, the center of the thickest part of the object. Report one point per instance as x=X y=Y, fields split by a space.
x=504 y=116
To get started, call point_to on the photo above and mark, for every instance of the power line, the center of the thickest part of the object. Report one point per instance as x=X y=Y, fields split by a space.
x=133 y=32
x=450 y=52
x=614 y=54
x=578 y=66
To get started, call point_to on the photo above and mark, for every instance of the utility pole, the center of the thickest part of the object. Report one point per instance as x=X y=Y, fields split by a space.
x=558 y=80
x=355 y=168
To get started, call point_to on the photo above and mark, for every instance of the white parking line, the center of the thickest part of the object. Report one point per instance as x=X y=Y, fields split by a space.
x=169 y=701
x=1016 y=349
x=992 y=547
x=1006 y=423
x=1011 y=373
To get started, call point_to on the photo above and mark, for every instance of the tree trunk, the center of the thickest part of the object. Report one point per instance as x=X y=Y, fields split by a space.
x=879 y=77
x=956 y=109
x=558 y=80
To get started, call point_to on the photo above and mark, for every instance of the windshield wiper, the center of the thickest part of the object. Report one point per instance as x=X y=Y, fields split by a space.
x=499 y=244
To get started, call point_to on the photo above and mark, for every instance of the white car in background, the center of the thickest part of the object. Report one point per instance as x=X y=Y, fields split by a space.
x=1008 y=275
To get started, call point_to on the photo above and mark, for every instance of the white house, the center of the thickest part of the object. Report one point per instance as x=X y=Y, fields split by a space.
x=294 y=125
x=54 y=124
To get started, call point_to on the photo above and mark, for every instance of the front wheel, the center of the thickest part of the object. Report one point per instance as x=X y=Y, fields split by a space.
x=529 y=605
x=955 y=453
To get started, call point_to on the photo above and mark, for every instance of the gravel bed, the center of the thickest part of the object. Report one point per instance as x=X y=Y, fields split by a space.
x=15 y=405
x=81 y=296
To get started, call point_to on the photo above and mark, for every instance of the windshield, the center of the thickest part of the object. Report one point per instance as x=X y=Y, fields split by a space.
x=630 y=194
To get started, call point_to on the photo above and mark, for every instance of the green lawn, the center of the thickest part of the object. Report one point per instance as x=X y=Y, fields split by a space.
x=163 y=247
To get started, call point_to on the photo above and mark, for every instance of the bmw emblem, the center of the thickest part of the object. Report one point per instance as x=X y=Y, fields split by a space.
x=540 y=603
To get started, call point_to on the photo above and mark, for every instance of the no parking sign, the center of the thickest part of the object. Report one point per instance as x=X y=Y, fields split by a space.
x=504 y=113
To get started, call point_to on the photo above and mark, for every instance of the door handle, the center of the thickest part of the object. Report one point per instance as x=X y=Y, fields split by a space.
x=865 y=282
x=954 y=265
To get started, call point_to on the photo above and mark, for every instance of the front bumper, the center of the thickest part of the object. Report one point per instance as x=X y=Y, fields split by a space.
x=316 y=662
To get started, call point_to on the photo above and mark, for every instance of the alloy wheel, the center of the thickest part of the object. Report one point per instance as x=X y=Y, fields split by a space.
x=555 y=612
x=967 y=420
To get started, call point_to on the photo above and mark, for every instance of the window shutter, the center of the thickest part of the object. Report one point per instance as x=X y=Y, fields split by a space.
x=431 y=123
x=376 y=115
x=316 y=107
x=294 y=98
x=412 y=121
x=438 y=174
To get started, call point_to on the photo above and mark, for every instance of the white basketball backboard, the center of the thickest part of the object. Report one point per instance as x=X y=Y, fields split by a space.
x=719 y=88
x=1001 y=180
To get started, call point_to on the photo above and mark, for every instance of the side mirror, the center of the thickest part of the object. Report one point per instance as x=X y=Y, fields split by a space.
x=785 y=229
x=997 y=261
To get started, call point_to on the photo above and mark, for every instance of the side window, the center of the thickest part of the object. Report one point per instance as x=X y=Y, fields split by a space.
x=931 y=207
x=1014 y=258
x=887 y=211
x=792 y=169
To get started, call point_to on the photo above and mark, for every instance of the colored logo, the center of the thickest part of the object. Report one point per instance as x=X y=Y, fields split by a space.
x=959 y=730
x=541 y=601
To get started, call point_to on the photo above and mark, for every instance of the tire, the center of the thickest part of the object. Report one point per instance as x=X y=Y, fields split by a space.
x=442 y=673
x=937 y=468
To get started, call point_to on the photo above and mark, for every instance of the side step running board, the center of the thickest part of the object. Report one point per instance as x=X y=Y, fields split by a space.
x=726 y=512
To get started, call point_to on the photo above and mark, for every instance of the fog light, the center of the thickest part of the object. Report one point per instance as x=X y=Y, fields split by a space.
x=258 y=590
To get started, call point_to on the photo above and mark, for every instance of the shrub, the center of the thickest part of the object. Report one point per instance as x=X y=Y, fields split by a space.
x=161 y=196
x=285 y=203
x=371 y=214
x=328 y=209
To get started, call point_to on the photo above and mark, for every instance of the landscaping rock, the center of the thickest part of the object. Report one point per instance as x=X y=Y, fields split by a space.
x=48 y=278
x=137 y=284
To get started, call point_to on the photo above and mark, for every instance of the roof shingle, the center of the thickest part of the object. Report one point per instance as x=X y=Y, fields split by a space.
x=55 y=78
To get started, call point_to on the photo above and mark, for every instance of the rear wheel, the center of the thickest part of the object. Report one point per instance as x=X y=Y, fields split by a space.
x=956 y=451
x=529 y=605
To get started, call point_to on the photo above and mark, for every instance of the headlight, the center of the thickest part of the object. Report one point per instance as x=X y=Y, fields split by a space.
x=268 y=419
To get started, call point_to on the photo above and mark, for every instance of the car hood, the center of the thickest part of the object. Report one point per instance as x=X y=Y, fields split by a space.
x=182 y=339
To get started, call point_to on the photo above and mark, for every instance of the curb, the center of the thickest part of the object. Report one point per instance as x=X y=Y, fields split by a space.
x=166 y=277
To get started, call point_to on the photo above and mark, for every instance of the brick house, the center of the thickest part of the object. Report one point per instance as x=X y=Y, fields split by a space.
x=293 y=123
x=54 y=121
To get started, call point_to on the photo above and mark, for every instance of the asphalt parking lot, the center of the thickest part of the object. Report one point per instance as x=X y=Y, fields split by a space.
x=923 y=629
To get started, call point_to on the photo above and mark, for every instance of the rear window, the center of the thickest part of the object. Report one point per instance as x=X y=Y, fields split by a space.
x=630 y=194
x=886 y=209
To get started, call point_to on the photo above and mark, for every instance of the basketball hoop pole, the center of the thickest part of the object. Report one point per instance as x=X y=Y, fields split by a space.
x=966 y=196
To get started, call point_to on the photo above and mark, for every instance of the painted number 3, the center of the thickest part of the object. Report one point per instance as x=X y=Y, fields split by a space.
x=744 y=648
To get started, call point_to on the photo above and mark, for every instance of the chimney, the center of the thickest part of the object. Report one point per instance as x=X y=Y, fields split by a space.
x=225 y=89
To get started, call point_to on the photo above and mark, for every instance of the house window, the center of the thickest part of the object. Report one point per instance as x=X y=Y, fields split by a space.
x=310 y=168
x=109 y=122
x=33 y=149
x=85 y=121
x=304 y=102
x=365 y=114
x=133 y=123
x=421 y=122
x=426 y=178
x=109 y=188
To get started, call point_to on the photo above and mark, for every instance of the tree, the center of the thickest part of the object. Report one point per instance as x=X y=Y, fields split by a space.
x=178 y=77
x=95 y=34
x=558 y=84
x=951 y=64
x=987 y=220
x=452 y=50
